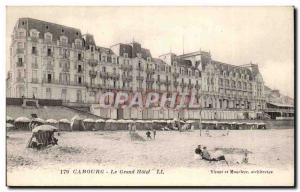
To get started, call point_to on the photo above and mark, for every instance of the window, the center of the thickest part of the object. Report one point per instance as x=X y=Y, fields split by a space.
x=48 y=37
x=114 y=60
x=79 y=80
x=79 y=57
x=34 y=50
x=126 y=55
x=103 y=58
x=103 y=69
x=49 y=52
x=79 y=69
x=49 y=78
x=34 y=34
x=148 y=59
x=20 y=62
x=64 y=40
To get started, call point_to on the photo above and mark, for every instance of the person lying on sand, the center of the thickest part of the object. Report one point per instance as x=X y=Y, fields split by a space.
x=198 y=150
x=206 y=156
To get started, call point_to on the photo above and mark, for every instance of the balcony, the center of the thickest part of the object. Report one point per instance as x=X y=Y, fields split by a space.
x=20 y=64
x=150 y=80
x=114 y=76
x=126 y=67
x=182 y=84
x=34 y=80
x=139 y=78
x=93 y=62
x=190 y=86
x=140 y=68
x=50 y=54
x=175 y=75
x=50 y=67
x=20 y=50
x=103 y=75
x=127 y=78
x=150 y=70
x=34 y=39
x=93 y=74
x=20 y=79
x=78 y=46
x=175 y=83
x=66 y=69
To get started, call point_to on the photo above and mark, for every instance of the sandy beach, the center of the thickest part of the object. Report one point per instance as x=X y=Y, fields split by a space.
x=171 y=151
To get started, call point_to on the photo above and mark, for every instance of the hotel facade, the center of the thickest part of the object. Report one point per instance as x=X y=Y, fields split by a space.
x=52 y=61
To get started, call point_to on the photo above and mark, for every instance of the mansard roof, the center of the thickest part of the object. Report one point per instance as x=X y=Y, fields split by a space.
x=43 y=27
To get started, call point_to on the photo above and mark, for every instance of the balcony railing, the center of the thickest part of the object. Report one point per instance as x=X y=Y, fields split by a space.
x=127 y=78
x=139 y=68
x=20 y=50
x=175 y=75
x=126 y=67
x=20 y=64
x=103 y=75
x=93 y=73
x=93 y=62
x=140 y=78
x=150 y=80
x=34 y=80
x=50 y=67
x=34 y=39
x=66 y=69
x=71 y=83
x=183 y=84
x=20 y=79
x=190 y=86
x=150 y=70
x=114 y=76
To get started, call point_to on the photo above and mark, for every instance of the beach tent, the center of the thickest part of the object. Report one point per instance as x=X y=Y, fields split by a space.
x=89 y=124
x=51 y=122
x=77 y=123
x=36 y=122
x=43 y=135
x=9 y=119
x=64 y=125
x=99 y=124
x=111 y=125
x=9 y=126
x=22 y=123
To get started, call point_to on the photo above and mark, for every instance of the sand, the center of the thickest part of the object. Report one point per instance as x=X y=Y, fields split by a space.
x=267 y=149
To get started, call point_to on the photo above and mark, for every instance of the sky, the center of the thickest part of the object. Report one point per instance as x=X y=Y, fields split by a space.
x=234 y=35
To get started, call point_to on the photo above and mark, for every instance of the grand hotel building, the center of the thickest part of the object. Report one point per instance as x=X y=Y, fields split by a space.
x=52 y=61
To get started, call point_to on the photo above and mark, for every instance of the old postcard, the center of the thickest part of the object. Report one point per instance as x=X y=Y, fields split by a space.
x=150 y=96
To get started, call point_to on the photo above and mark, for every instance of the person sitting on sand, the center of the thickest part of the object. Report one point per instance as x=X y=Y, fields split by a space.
x=148 y=134
x=53 y=140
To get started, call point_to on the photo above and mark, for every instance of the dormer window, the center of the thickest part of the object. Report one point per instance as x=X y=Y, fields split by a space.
x=139 y=55
x=48 y=37
x=78 y=43
x=63 y=40
x=103 y=58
